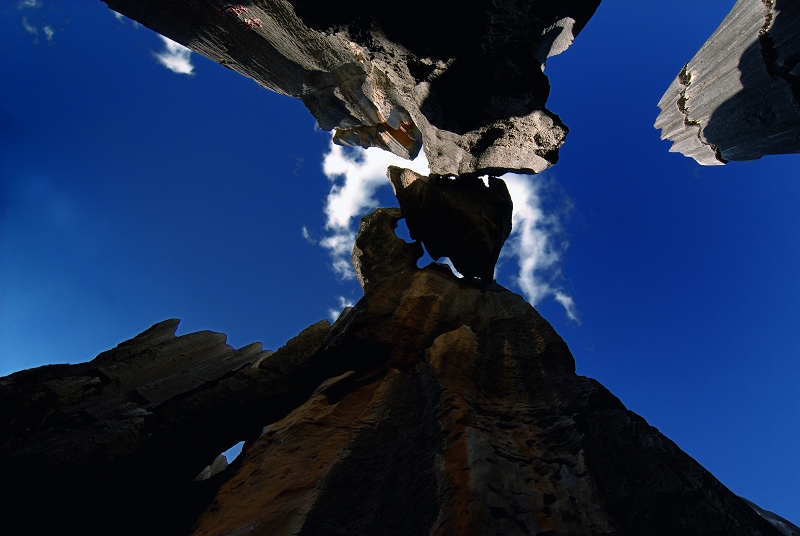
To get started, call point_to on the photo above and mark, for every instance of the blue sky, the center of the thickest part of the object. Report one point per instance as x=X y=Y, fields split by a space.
x=130 y=193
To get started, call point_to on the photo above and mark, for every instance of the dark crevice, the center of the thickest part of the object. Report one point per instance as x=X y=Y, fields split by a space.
x=685 y=78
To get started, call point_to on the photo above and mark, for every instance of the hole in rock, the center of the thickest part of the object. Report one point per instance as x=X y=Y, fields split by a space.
x=232 y=453
x=402 y=231
x=220 y=463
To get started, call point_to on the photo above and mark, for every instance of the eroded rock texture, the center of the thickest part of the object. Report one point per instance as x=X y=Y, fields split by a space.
x=739 y=97
x=464 y=79
x=378 y=252
x=123 y=436
x=458 y=411
x=460 y=218
x=434 y=406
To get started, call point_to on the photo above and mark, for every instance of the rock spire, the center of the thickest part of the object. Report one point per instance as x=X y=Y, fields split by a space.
x=435 y=406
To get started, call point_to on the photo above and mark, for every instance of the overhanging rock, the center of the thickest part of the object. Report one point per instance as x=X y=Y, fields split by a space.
x=464 y=79
x=739 y=97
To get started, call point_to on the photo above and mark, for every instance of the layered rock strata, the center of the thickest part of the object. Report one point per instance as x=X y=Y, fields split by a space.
x=739 y=97
x=456 y=217
x=436 y=405
x=463 y=79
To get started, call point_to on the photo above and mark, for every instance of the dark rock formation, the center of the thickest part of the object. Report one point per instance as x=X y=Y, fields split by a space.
x=378 y=252
x=434 y=406
x=785 y=527
x=458 y=411
x=739 y=97
x=464 y=79
x=460 y=218
x=123 y=436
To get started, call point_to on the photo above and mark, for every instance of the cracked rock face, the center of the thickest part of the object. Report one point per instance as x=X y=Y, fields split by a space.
x=739 y=97
x=460 y=218
x=463 y=79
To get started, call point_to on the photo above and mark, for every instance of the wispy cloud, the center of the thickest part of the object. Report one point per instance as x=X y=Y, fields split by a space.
x=29 y=4
x=122 y=18
x=355 y=175
x=175 y=57
x=537 y=242
x=48 y=33
x=30 y=29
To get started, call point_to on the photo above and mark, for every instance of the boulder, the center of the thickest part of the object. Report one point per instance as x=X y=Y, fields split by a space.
x=461 y=218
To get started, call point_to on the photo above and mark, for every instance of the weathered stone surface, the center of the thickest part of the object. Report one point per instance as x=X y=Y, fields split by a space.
x=464 y=79
x=434 y=406
x=378 y=251
x=132 y=428
x=739 y=97
x=460 y=218
x=460 y=413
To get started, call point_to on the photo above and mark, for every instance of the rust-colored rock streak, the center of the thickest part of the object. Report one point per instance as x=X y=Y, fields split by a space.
x=461 y=413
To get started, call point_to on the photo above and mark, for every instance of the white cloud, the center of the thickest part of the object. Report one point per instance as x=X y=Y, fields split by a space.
x=343 y=302
x=48 y=32
x=30 y=29
x=536 y=242
x=355 y=175
x=122 y=18
x=175 y=57
x=29 y=3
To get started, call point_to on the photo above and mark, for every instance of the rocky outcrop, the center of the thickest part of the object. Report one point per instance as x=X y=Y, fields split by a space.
x=122 y=437
x=739 y=97
x=463 y=79
x=456 y=217
x=378 y=252
x=434 y=406
x=460 y=412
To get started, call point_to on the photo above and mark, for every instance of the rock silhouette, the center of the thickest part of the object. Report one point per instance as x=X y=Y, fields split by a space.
x=434 y=406
x=456 y=217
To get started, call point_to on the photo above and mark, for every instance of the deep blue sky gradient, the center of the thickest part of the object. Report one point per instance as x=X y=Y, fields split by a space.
x=130 y=194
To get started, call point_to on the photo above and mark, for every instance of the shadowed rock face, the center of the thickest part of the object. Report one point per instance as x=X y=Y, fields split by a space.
x=113 y=445
x=464 y=79
x=461 y=413
x=460 y=218
x=739 y=97
x=434 y=406
x=378 y=252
